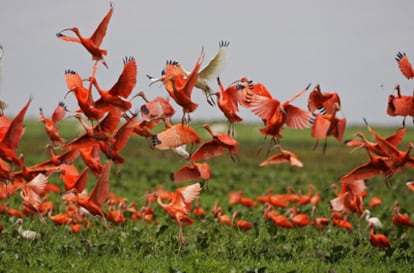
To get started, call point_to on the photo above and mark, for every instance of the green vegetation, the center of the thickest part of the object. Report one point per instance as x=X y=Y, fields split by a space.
x=211 y=247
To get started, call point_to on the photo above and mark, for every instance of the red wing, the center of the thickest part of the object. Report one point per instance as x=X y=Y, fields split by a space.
x=261 y=90
x=296 y=117
x=186 y=195
x=227 y=140
x=192 y=172
x=341 y=125
x=123 y=134
x=405 y=65
x=16 y=129
x=111 y=121
x=80 y=183
x=100 y=192
x=315 y=100
x=320 y=127
x=397 y=137
x=38 y=184
x=364 y=171
x=127 y=80
x=356 y=186
x=100 y=31
x=263 y=107
x=59 y=113
x=73 y=80
x=207 y=150
x=275 y=159
x=175 y=136
x=193 y=76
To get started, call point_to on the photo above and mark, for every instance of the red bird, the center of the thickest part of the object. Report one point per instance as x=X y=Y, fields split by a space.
x=192 y=172
x=215 y=147
x=51 y=123
x=92 y=43
x=325 y=102
x=115 y=97
x=11 y=138
x=94 y=202
x=174 y=136
x=179 y=206
x=400 y=105
x=276 y=114
x=325 y=125
x=377 y=240
x=83 y=96
x=155 y=109
x=228 y=102
x=284 y=156
x=240 y=224
x=399 y=219
x=179 y=85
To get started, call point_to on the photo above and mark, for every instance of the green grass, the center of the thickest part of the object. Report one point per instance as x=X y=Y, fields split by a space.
x=211 y=247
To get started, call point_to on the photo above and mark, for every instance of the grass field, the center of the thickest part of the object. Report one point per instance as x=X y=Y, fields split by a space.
x=210 y=246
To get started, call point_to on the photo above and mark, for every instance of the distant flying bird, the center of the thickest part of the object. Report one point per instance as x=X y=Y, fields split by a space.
x=404 y=65
x=92 y=43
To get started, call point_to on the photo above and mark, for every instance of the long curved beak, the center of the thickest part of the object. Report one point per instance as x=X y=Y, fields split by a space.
x=153 y=80
x=66 y=29
x=71 y=90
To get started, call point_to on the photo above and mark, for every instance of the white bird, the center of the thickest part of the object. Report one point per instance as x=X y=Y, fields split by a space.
x=212 y=70
x=374 y=220
x=25 y=233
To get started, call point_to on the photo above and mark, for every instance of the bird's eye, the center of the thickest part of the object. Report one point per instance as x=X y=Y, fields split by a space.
x=163 y=72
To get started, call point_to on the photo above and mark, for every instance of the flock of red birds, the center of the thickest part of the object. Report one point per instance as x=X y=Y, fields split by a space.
x=109 y=123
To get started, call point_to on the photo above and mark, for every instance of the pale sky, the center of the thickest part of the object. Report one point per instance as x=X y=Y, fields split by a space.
x=345 y=46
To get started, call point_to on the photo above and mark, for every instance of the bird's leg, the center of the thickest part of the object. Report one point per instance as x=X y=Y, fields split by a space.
x=95 y=68
x=261 y=146
x=316 y=144
x=180 y=229
x=210 y=100
x=325 y=144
